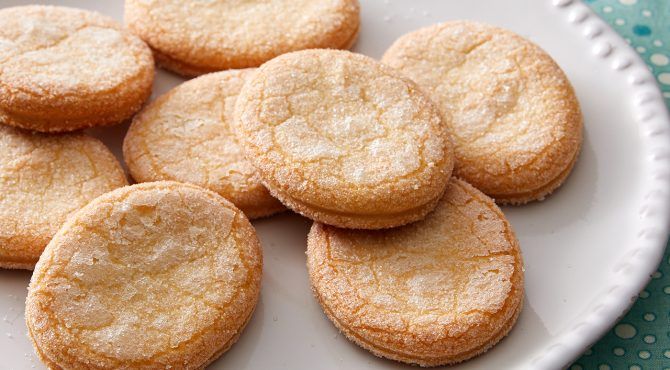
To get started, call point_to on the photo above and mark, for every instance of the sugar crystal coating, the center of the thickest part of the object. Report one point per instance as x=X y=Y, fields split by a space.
x=186 y=136
x=155 y=275
x=195 y=37
x=63 y=69
x=515 y=119
x=43 y=179
x=339 y=132
x=434 y=292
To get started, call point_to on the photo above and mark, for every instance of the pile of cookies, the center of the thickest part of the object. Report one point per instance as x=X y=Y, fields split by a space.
x=397 y=161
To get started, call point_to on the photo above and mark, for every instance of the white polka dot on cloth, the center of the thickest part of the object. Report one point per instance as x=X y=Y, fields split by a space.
x=664 y=78
x=619 y=351
x=644 y=355
x=659 y=59
x=625 y=331
x=628 y=2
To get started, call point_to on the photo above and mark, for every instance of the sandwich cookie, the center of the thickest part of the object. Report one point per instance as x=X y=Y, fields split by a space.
x=63 y=69
x=196 y=37
x=341 y=139
x=435 y=292
x=516 y=122
x=155 y=275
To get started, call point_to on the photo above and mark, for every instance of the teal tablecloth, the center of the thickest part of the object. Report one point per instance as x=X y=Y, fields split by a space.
x=641 y=340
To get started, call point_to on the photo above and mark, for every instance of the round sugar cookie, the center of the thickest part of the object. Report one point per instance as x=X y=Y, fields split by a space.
x=156 y=275
x=435 y=292
x=43 y=179
x=62 y=69
x=341 y=139
x=186 y=135
x=514 y=117
x=195 y=37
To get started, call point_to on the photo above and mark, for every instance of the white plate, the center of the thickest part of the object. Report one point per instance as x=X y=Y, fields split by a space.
x=589 y=248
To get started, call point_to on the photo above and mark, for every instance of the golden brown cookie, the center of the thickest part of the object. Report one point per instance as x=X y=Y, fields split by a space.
x=195 y=37
x=62 y=69
x=154 y=276
x=186 y=135
x=516 y=122
x=43 y=179
x=339 y=138
x=435 y=292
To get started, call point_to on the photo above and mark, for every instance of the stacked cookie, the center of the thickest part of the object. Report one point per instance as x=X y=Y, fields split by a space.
x=161 y=274
x=407 y=261
x=398 y=163
x=62 y=70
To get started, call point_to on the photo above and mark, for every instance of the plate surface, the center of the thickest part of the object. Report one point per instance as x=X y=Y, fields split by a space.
x=589 y=248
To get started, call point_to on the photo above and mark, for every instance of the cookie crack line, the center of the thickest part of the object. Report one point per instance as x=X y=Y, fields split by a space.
x=75 y=92
x=407 y=356
x=240 y=303
x=343 y=286
x=55 y=44
x=332 y=25
x=540 y=104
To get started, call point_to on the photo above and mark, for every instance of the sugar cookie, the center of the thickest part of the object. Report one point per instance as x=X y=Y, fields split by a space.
x=62 y=69
x=185 y=135
x=341 y=139
x=516 y=122
x=196 y=37
x=43 y=179
x=154 y=275
x=435 y=292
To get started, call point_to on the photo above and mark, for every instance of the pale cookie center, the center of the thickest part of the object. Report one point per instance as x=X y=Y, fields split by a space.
x=151 y=276
x=188 y=138
x=242 y=24
x=41 y=185
x=198 y=150
x=487 y=87
x=344 y=127
x=457 y=263
x=92 y=59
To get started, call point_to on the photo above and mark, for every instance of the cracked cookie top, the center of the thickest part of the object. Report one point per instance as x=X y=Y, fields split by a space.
x=154 y=275
x=62 y=69
x=195 y=37
x=515 y=120
x=433 y=292
x=339 y=132
x=43 y=179
x=186 y=135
